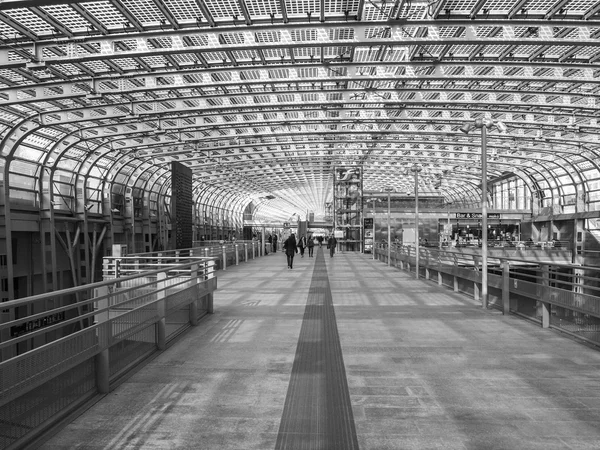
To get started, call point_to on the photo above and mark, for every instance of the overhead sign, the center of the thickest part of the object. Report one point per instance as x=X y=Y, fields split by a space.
x=476 y=215
x=286 y=224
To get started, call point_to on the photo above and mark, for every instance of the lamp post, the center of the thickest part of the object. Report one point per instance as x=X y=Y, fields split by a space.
x=415 y=169
x=484 y=125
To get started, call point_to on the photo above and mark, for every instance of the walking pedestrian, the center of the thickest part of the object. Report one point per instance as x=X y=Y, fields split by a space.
x=290 y=247
x=320 y=240
x=302 y=245
x=274 y=243
x=311 y=246
x=331 y=243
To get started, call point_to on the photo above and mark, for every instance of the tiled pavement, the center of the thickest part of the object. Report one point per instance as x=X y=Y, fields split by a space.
x=426 y=368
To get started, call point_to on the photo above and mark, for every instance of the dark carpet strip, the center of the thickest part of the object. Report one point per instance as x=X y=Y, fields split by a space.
x=317 y=414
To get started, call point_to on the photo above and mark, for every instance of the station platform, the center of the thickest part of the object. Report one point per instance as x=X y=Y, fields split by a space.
x=347 y=353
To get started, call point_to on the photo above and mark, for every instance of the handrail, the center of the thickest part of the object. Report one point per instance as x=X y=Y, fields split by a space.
x=561 y=295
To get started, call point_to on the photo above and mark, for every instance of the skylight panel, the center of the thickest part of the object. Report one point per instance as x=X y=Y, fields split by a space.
x=224 y=9
x=184 y=10
x=29 y=20
x=106 y=13
x=145 y=11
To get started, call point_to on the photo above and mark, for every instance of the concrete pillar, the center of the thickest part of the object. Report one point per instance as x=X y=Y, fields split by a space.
x=161 y=307
x=102 y=359
x=545 y=296
x=194 y=304
x=209 y=303
x=455 y=284
x=505 y=287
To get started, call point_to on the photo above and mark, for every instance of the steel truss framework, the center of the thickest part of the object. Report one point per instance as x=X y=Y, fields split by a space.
x=261 y=99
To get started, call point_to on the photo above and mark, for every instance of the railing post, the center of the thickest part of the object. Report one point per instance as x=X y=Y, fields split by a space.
x=246 y=252
x=102 y=360
x=224 y=265
x=209 y=297
x=439 y=269
x=505 y=287
x=194 y=303
x=545 y=295
x=237 y=256
x=476 y=286
x=161 y=307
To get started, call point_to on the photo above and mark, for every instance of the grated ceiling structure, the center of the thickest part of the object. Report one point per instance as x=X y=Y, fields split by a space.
x=263 y=98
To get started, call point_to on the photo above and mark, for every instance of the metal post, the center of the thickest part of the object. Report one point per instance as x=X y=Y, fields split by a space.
x=484 y=246
x=416 y=171
x=161 y=293
x=373 y=248
x=245 y=252
x=389 y=223
x=224 y=265
x=193 y=314
x=505 y=287
x=237 y=256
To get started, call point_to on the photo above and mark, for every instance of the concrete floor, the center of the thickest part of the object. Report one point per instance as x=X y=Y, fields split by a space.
x=426 y=369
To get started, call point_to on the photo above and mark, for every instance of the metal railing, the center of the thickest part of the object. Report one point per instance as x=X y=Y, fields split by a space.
x=75 y=343
x=553 y=294
x=225 y=255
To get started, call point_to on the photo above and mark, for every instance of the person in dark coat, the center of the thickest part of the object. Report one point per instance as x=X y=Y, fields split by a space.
x=302 y=245
x=311 y=246
x=290 y=248
x=331 y=243
x=274 y=243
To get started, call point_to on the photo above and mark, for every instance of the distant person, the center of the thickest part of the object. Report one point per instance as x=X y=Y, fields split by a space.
x=320 y=241
x=302 y=245
x=290 y=247
x=274 y=243
x=270 y=241
x=331 y=243
x=311 y=246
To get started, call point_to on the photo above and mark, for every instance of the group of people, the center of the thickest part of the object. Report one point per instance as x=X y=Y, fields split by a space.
x=291 y=246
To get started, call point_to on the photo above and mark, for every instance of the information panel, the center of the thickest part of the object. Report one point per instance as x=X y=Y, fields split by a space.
x=368 y=233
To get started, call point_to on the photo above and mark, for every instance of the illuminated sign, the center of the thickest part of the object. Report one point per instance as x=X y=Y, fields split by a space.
x=476 y=215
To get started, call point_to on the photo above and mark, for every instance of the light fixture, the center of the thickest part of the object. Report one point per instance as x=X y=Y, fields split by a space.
x=466 y=127
x=115 y=210
x=88 y=206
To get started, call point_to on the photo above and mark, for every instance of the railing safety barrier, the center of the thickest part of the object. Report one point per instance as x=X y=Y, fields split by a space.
x=225 y=255
x=62 y=348
x=553 y=294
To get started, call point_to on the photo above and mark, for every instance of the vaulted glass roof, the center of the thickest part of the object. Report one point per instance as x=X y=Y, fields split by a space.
x=264 y=98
